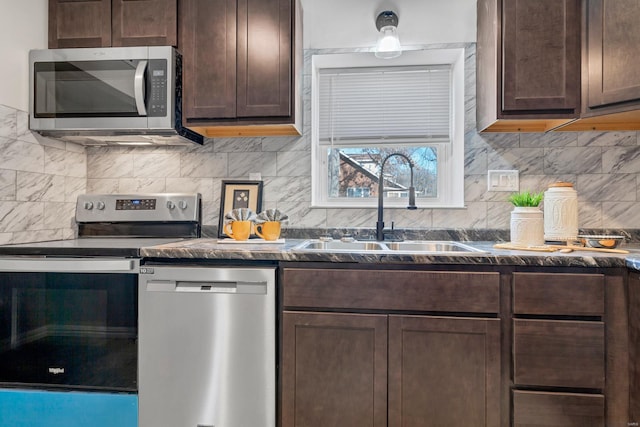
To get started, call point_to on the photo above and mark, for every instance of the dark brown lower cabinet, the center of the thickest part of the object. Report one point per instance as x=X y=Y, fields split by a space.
x=542 y=409
x=414 y=347
x=334 y=370
x=442 y=371
x=569 y=340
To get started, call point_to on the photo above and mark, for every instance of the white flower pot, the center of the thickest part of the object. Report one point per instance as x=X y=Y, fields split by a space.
x=527 y=226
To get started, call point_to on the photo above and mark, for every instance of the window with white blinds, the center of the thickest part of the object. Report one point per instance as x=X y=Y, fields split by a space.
x=363 y=109
x=385 y=103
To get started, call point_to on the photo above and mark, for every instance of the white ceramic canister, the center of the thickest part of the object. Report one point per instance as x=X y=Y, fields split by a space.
x=527 y=226
x=561 y=212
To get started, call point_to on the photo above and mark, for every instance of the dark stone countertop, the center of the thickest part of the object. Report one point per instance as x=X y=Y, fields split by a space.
x=213 y=249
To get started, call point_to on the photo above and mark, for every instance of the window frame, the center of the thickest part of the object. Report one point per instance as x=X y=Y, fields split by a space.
x=450 y=154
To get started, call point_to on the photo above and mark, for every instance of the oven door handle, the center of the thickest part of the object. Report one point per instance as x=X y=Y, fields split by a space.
x=50 y=265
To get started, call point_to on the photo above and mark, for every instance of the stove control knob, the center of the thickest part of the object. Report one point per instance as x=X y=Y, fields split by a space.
x=100 y=206
x=182 y=204
x=171 y=205
x=88 y=205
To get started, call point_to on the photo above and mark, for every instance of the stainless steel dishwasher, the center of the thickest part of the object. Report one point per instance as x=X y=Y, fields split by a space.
x=207 y=347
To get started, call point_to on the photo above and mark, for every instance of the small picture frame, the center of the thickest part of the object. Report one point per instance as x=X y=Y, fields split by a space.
x=239 y=194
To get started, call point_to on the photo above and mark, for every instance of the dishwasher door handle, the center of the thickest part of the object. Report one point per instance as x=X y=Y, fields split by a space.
x=209 y=287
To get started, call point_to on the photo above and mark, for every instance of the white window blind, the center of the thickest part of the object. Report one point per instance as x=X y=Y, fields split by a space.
x=388 y=103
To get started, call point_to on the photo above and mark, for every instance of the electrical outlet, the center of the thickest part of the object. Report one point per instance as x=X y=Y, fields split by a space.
x=506 y=180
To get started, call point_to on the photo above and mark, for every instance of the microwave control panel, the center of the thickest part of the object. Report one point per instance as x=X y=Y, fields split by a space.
x=157 y=81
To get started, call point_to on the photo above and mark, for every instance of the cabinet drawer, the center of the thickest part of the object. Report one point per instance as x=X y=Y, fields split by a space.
x=559 y=353
x=459 y=292
x=557 y=409
x=558 y=294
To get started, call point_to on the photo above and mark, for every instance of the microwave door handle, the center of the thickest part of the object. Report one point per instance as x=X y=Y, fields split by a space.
x=138 y=87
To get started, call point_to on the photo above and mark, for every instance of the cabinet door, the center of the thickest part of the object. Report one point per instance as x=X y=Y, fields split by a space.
x=145 y=23
x=444 y=372
x=79 y=23
x=612 y=49
x=208 y=45
x=264 y=58
x=541 y=55
x=334 y=370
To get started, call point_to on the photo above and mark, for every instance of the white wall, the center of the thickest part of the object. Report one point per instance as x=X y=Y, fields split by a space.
x=351 y=23
x=23 y=26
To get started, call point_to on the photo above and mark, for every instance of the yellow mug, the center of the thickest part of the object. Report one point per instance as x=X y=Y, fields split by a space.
x=239 y=230
x=269 y=230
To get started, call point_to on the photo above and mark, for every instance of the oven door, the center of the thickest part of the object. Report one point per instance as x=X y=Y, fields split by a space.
x=69 y=324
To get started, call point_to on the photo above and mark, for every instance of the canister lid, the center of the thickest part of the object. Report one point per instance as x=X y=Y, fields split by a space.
x=560 y=184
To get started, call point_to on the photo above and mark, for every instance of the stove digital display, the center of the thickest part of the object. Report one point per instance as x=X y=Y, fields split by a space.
x=135 y=204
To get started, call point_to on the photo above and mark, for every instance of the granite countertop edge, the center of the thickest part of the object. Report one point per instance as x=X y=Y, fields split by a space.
x=212 y=249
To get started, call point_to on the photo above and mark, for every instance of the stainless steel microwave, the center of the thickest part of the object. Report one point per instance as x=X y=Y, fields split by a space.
x=114 y=95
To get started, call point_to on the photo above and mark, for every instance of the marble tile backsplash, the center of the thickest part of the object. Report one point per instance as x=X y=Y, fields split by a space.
x=40 y=178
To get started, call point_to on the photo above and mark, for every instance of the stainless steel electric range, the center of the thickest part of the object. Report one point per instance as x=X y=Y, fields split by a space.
x=69 y=311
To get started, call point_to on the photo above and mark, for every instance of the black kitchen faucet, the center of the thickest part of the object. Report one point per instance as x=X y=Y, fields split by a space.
x=412 y=194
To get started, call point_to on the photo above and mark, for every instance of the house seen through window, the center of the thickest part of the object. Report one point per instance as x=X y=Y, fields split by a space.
x=364 y=113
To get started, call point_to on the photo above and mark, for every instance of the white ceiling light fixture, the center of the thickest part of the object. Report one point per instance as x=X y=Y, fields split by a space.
x=388 y=45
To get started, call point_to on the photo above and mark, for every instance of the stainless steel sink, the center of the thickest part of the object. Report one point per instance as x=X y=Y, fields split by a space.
x=434 y=246
x=338 y=245
x=409 y=247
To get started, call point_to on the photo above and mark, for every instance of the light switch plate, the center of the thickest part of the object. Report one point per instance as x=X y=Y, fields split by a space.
x=503 y=180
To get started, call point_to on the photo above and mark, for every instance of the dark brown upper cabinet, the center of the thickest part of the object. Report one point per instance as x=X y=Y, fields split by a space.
x=611 y=82
x=208 y=44
x=528 y=64
x=240 y=59
x=105 y=23
x=565 y=65
x=612 y=52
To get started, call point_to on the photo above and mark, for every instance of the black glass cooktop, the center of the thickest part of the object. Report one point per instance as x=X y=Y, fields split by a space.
x=86 y=247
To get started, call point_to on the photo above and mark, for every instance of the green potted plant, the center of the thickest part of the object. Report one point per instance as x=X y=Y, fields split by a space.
x=527 y=223
x=526 y=199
